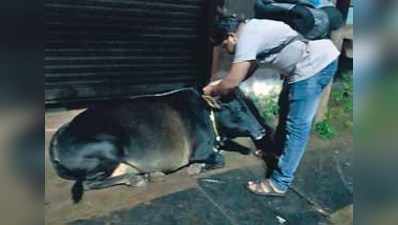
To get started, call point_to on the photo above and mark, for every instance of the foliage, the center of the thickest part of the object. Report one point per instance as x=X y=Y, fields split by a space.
x=267 y=106
x=343 y=95
x=325 y=130
x=340 y=108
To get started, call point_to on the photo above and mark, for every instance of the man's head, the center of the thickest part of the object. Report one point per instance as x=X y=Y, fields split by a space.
x=225 y=33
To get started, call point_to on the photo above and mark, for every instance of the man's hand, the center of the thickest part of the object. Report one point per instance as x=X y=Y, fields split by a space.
x=211 y=88
x=225 y=86
x=219 y=88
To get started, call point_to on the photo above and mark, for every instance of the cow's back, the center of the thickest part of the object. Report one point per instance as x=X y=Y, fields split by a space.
x=154 y=131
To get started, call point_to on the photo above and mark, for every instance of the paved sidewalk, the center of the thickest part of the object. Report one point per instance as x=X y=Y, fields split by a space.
x=222 y=200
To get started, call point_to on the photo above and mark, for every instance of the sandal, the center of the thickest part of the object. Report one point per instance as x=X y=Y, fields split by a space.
x=264 y=188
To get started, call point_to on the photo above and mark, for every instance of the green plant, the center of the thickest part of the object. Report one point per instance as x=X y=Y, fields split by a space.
x=325 y=130
x=342 y=95
x=340 y=108
x=267 y=106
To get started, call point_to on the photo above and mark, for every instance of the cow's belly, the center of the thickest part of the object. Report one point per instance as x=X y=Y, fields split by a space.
x=160 y=142
x=162 y=158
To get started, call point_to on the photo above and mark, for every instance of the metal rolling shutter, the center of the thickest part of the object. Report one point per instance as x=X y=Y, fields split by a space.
x=100 y=49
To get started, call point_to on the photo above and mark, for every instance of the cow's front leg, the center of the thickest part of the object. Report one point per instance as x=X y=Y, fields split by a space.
x=215 y=161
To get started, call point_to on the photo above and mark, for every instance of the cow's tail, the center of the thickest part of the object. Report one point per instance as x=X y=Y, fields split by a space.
x=77 y=191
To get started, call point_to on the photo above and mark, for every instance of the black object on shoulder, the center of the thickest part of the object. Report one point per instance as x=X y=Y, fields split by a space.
x=311 y=22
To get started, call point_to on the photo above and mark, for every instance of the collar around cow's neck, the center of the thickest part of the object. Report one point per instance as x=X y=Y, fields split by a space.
x=214 y=125
x=213 y=104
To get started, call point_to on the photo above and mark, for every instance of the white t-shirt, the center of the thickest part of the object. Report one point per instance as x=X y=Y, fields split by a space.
x=298 y=60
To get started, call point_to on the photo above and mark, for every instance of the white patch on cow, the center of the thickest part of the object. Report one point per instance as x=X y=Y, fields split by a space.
x=120 y=170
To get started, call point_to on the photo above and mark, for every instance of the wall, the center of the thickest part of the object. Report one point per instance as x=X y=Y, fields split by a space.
x=104 y=49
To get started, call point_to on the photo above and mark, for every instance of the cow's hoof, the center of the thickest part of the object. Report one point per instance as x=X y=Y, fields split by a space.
x=157 y=176
x=195 y=168
x=137 y=181
x=216 y=161
x=214 y=166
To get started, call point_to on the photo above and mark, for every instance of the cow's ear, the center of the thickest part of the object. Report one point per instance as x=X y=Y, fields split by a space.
x=212 y=102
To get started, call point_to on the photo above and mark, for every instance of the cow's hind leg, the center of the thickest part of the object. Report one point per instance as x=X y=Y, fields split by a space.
x=134 y=180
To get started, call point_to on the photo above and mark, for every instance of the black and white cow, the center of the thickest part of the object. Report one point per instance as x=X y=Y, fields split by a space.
x=114 y=143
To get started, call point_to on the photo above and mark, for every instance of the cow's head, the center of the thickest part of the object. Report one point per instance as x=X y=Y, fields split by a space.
x=235 y=118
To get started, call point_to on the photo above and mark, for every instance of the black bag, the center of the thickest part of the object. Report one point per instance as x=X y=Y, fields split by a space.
x=313 y=23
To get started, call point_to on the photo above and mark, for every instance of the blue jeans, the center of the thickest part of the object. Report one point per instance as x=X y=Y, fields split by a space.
x=298 y=104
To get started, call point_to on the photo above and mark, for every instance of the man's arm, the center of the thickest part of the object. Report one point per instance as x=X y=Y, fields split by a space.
x=253 y=68
x=237 y=73
x=215 y=64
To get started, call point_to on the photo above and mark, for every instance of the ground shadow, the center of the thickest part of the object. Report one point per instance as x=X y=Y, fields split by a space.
x=232 y=146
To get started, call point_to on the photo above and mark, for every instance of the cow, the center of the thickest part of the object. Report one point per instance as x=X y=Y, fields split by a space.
x=145 y=135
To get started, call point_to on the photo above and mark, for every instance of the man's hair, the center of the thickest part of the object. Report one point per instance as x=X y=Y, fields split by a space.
x=224 y=26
